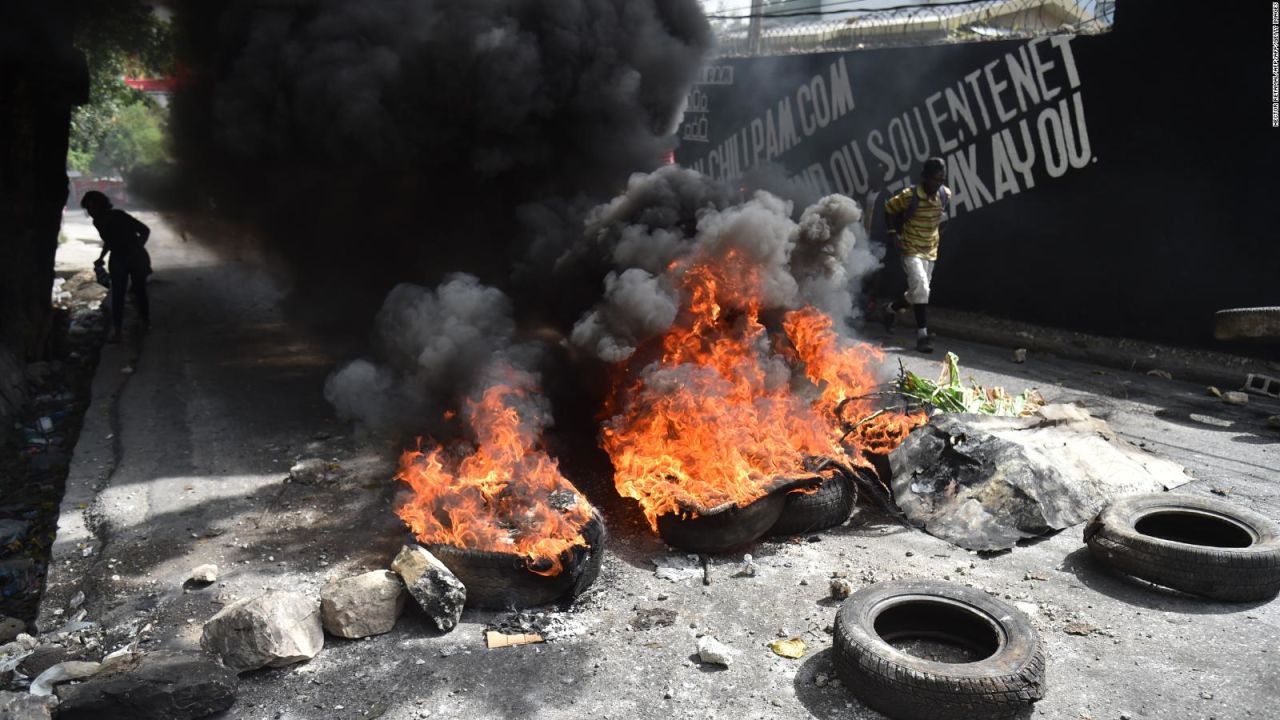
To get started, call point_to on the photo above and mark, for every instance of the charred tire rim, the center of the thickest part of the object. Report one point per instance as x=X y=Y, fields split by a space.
x=1196 y=545
x=500 y=581
x=906 y=687
x=1244 y=323
x=828 y=507
x=730 y=528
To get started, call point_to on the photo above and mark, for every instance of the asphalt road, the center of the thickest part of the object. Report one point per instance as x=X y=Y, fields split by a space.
x=185 y=450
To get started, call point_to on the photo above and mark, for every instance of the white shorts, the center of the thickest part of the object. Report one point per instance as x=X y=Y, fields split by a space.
x=919 y=277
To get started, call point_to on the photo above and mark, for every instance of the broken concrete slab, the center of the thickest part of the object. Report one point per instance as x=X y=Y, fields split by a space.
x=363 y=605
x=276 y=629
x=205 y=574
x=161 y=685
x=437 y=590
x=984 y=482
x=714 y=652
x=60 y=673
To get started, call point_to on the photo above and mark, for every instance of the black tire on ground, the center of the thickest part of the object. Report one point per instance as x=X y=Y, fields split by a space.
x=1247 y=323
x=1003 y=684
x=502 y=581
x=828 y=507
x=1197 y=545
x=732 y=526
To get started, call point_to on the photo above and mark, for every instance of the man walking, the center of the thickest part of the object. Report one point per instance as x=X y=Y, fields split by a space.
x=123 y=236
x=915 y=216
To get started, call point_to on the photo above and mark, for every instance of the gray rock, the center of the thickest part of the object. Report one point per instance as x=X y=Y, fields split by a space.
x=21 y=706
x=437 y=591
x=60 y=673
x=205 y=574
x=163 y=685
x=10 y=628
x=714 y=652
x=363 y=605
x=311 y=471
x=276 y=629
x=841 y=589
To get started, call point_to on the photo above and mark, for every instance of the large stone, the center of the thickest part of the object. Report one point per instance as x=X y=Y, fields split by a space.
x=23 y=706
x=163 y=685
x=276 y=629
x=437 y=591
x=363 y=605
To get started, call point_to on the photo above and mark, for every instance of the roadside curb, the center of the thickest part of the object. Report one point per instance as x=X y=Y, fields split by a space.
x=1195 y=365
x=93 y=461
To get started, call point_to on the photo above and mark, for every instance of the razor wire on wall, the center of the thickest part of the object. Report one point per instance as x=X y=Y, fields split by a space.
x=786 y=27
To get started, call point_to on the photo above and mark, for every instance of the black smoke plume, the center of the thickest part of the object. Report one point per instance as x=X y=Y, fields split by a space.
x=356 y=145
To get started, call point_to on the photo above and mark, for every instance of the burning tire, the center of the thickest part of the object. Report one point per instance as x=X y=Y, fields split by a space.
x=729 y=526
x=1196 y=545
x=1004 y=678
x=500 y=581
x=807 y=512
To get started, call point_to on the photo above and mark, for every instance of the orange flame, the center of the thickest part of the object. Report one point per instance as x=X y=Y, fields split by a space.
x=504 y=494
x=719 y=417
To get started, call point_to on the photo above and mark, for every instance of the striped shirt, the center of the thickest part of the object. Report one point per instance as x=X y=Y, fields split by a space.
x=919 y=236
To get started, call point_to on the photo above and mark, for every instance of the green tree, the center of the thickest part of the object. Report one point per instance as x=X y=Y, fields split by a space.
x=119 y=39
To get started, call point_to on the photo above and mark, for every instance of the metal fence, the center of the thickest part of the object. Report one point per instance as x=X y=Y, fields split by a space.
x=831 y=26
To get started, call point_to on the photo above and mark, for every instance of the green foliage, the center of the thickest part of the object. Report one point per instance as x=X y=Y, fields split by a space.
x=119 y=128
x=949 y=394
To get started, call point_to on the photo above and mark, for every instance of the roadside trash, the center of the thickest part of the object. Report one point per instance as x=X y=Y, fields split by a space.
x=495 y=639
x=1160 y=374
x=949 y=394
x=1235 y=397
x=1020 y=355
x=984 y=483
x=791 y=648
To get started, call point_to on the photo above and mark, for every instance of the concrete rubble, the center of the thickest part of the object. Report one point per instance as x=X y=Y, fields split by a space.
x=272 y=630
x=205 y=574
x=161 y=685
x=63 y=672
x=363 y=605
x=439 y=593
x=714 y=652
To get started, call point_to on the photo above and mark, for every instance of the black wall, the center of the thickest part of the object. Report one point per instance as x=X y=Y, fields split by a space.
x=1169 y=215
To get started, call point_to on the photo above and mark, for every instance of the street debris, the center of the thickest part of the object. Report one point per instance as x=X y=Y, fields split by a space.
x=1020 y=355
x=161 y=685
x=495 y=639
x=790 y=648
x=714 y=652
x=1214 y=391
x=62 y=672
x=749 y=568
x=1235 y=397
x=549 y=624
x=650 y=618
x=273 y=630
x=1164 y=374
x=841 y=588
x=949 y=394
x=1220 y=491
x=363 y=605
x=439 y=593
x=678 y=567
x=984 y=483
x=1079 y=628
x=205 y=574
x=1274 y=421
x=24 y=706
x=312 y=471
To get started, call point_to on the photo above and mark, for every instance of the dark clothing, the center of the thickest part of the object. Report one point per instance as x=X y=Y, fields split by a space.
x=120 y=281
x=124 y=237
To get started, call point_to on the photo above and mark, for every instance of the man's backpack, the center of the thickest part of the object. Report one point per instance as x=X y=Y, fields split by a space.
x=899 y=221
